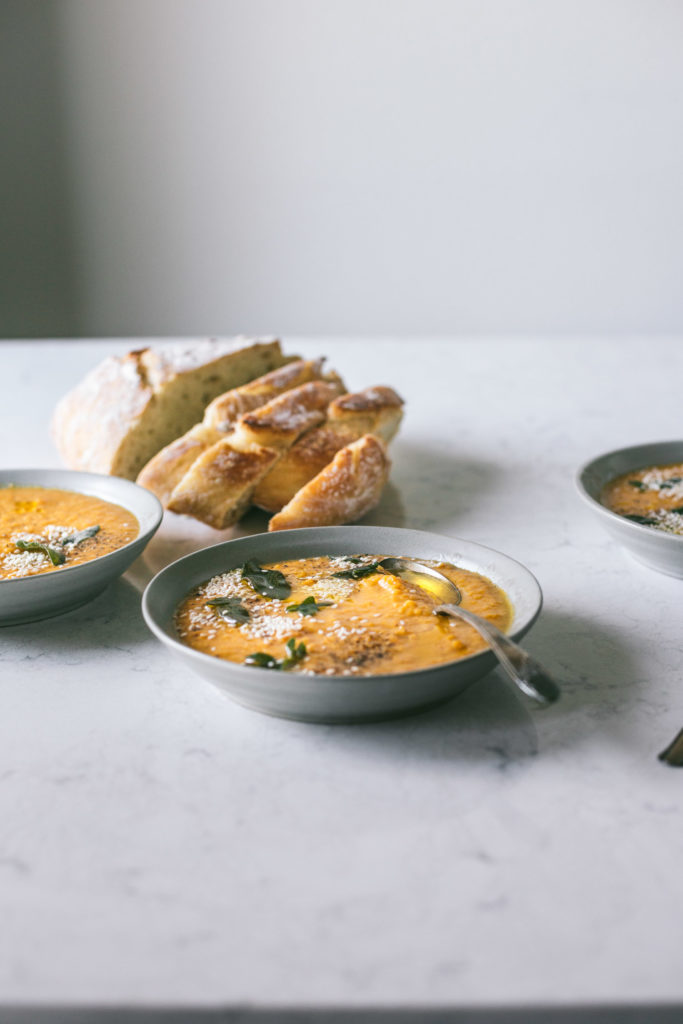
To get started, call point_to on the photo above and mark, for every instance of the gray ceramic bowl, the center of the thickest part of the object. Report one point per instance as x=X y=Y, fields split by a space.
x=336 y=698
x=654 y=548
x=40 y=597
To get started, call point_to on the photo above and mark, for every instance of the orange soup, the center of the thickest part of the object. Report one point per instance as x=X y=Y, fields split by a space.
x=334 y=616
x=43 y=529
x=652 y=497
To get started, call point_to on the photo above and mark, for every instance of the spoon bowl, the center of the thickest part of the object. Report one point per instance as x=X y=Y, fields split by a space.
x=424 y=576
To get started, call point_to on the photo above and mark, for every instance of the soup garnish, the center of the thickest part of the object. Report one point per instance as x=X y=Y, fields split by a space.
x=44 y=529
x=652 y=496
x=340 y=616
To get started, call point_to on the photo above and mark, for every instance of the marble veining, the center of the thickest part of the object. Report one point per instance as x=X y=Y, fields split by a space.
x=160 y=844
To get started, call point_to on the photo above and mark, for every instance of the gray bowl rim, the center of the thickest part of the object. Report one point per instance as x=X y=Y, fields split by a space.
x=628 y=524
x=247 y=671
x=7 y=477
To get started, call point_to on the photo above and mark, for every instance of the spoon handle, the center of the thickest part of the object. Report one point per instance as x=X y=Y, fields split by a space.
x=526 y=673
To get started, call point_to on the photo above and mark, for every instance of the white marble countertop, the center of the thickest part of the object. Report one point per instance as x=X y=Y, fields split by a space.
x=161 y=845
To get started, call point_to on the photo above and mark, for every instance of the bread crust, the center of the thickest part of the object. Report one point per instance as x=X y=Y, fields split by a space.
x=130 y=406
x=344 y=491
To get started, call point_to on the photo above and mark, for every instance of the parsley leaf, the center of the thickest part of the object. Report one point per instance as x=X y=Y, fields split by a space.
x=295 y=654
x=55 y=555
x=309 y=606
x=230 y=608
x=267 y=582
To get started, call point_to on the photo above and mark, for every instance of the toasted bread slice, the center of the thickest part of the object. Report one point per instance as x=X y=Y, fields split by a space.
x=301 y=463
x=375 y=410
x=164 y=472
x=166 y=469
x=343 y=491
x=217 y=488
x=225 y=410
x=279 y=423
x=130 y=406
x=207 y=490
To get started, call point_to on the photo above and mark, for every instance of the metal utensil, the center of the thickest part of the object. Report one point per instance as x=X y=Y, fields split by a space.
x=525 y=672
x=673 y=754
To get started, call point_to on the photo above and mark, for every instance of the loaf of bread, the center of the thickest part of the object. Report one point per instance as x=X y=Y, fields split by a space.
x=223 y=424
x=220 y=483
x=374 y=410
x=165 y=470
x=343 y=491
x=130 y=407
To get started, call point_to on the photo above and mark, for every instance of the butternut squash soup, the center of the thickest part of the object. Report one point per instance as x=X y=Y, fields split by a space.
x=652 y=497
x=44 y=529
x=333 y=616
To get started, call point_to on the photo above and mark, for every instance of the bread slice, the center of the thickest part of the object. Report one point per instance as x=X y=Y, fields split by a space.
x=218 y=487
x=208 y=491
x=343 y=491
x=225 y=410
x=166 y=469
x=130 y=406
x=299 y=464
x=374 y=410
x=279 y=423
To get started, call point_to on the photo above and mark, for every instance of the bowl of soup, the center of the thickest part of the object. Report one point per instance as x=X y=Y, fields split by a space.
x=306 y=624
x=64 y=536
x=636 y=493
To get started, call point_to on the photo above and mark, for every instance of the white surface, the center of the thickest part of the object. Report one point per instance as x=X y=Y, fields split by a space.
x=159 y=843
x=376 y=166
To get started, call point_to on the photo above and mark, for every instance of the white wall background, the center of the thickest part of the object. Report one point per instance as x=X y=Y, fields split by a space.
x=391 y=166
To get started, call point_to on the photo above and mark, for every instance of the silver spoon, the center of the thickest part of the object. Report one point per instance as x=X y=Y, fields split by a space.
x=525 y=672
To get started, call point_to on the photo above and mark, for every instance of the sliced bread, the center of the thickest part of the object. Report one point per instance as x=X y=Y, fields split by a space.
x=374 y=410
x=218 y=485
x=165 y=470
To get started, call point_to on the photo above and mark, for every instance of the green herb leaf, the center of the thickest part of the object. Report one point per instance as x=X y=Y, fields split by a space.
x=638 y=484
x=295 y=653
x=267 y=582
x=666 y=485
x=82 y=535
x=262 y=660
x=54 y=554
x=643 y=520
x=230 y=608
x=677 y=511
x=358 y=572
x=309 y=606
